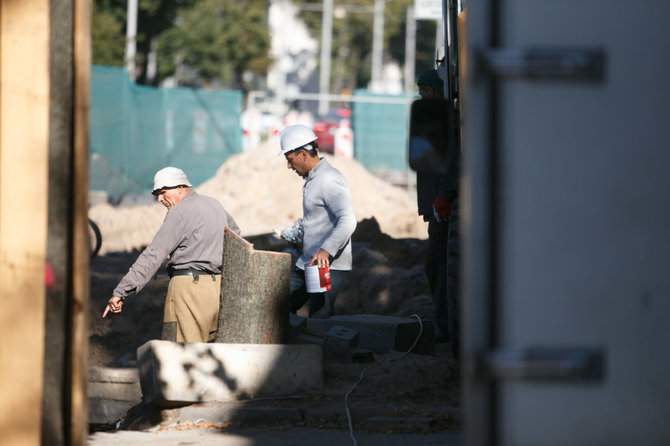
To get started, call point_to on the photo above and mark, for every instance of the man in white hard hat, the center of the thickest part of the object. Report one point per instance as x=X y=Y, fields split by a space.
x=328 y=220
x=191 y=239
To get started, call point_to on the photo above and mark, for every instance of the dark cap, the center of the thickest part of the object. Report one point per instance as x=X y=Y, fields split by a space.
x=431 y=79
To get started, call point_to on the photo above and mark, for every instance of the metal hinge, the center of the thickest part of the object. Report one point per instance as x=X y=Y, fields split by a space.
x=544 y=363
x=550 y=63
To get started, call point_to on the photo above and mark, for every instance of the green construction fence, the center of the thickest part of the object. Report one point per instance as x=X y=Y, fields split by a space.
x=136 y=130
x=381 y=131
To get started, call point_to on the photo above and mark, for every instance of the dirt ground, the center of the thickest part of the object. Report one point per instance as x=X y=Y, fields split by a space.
x=388 y=278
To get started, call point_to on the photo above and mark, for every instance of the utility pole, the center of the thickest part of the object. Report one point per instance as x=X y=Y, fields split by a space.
x=410 y=50
x=131 y=38
x=326 y=42
x=377 y=45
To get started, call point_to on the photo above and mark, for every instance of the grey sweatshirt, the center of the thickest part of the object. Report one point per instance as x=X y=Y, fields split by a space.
x=191 y=235
x=328 y=217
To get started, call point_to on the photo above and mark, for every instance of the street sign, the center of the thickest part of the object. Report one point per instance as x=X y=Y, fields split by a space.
x=427 y=9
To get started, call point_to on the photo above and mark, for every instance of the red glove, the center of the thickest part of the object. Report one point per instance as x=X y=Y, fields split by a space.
x=441 y=209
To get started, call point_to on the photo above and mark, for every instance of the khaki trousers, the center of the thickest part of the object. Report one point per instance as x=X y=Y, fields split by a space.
x=191 y=309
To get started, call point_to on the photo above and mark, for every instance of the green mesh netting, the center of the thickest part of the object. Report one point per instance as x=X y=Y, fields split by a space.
x=380 y=133
x=136 y=130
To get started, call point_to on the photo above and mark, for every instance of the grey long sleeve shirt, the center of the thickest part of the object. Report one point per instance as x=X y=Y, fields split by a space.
x=191 y=235
x=328 y=217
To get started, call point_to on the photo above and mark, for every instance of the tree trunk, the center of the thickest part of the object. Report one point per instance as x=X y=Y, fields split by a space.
x=254 y=294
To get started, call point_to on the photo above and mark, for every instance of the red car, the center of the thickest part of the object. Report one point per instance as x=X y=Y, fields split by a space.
x=325 y=127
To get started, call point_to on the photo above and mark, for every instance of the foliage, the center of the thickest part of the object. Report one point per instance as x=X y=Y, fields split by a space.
x=193 y=40
x=218 y=40
x=222 y=42
x=107 y=35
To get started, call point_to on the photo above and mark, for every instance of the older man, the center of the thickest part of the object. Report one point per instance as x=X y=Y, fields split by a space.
x=191 y=239
x=327 y=223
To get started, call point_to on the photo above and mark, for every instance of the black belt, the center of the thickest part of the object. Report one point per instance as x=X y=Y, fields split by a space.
x=191 y=272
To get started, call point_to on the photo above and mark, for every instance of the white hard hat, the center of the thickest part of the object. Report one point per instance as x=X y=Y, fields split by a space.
x=294 y=137
x=169 y=177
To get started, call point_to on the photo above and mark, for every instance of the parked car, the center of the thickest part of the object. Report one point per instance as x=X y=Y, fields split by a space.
x=325 y=127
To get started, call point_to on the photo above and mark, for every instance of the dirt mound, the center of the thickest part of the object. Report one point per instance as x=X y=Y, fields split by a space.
x=261 y=194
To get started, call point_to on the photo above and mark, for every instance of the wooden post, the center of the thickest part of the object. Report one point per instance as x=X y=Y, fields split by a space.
x=24 y=146
x=254 y=294
x=44 y=73
x=79 y=303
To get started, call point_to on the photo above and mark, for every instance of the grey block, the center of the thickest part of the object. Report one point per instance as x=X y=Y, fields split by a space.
x=381 y=334
x=107 y=412
x=338 y=342
x=111 y=392
x=174 y=374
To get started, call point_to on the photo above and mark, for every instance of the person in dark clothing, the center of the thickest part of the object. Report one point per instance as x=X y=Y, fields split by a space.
x=437 y=203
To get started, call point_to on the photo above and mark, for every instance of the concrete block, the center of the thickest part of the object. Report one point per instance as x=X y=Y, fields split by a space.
x=174 y=374
x=111 y=392
x=338 y=342
x=381 y=334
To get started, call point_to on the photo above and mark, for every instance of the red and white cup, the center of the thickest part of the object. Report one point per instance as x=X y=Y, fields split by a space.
x=317 y=280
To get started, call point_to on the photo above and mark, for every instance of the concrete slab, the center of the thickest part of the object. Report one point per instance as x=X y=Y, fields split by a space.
x=381 y=334
x=173 y=374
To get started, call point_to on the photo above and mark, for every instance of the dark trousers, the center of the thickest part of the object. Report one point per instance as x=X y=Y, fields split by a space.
x=320 y=304
x=436 y=273
x=453 y=281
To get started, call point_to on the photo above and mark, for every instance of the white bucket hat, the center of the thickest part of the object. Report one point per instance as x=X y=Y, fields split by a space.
x=169 y=177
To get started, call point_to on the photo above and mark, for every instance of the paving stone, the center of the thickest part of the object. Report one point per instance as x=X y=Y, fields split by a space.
x=174 y=373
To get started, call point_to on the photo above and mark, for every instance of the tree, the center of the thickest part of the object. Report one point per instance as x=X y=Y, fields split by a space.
x=195 y=41
x=217 y=41
x=107 y=30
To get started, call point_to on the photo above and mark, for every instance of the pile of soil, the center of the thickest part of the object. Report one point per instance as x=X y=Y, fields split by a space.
x=261 y=194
